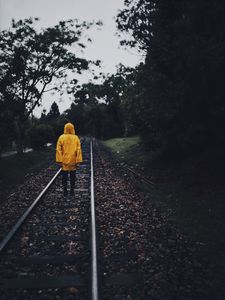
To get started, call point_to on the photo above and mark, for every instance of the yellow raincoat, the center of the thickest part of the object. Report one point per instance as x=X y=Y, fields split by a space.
x=68 y=149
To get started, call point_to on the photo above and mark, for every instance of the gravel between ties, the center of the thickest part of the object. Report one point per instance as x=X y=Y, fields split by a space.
x=21 y=198
x=142 y=254
x=58 y=228
x=139 y=245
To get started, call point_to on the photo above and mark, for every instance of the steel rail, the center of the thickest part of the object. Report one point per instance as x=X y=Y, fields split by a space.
x=130 y=170
x=94 y=266
x=139 y=175
x=14 y=229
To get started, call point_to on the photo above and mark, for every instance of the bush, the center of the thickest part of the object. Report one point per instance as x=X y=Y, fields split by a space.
x=39 y=135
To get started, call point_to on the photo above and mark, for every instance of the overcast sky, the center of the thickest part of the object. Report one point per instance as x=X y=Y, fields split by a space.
x=105 y=44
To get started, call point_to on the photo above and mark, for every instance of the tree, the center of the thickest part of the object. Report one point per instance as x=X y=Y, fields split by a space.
x=40 y=135
x=136 y=20
x=53 y=113
x=83 y=110
x=76 y=115
x=6 y=127
x=101 y=108
x=30 y=60
x=180 y=97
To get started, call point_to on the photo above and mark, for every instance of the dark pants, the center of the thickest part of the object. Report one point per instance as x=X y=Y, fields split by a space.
x=65 y=177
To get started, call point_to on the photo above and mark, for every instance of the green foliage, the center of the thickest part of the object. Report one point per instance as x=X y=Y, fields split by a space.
x=103 y=110
x=31 y=59
x=180 y=93
x=6 y=127
x=136 y=20
x=39 y=135
x=58 y=126
x=54 y=113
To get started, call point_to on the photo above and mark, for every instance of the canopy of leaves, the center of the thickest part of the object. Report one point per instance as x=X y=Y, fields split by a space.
x=31 y=59
x=180 y=91
x=101 y=109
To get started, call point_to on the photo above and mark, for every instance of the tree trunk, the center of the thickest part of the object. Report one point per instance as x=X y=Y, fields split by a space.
x=19 y=146
x=0 y=152
x=19 y=136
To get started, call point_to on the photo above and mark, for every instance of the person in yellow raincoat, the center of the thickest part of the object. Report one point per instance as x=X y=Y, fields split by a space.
x=69 y=156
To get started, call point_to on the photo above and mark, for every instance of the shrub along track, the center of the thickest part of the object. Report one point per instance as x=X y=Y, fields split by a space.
x=49 y=257
x=143 y=255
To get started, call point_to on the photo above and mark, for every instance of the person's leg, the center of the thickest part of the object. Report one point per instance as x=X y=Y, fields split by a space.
x=64 y=182
x=72 y=182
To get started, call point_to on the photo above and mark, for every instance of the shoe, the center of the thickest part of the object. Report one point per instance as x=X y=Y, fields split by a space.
x=65 y=193
x=72 y=192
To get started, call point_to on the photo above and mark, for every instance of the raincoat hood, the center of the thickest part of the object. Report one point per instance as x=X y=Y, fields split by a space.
x=69 y=129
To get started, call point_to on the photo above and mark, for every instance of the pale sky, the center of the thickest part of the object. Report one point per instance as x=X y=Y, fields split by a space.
x=105 y=44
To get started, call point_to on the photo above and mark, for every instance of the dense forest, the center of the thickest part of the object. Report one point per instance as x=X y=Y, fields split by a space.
x=174 y=99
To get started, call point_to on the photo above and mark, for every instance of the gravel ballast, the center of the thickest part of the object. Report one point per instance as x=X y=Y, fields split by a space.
x=143 y=255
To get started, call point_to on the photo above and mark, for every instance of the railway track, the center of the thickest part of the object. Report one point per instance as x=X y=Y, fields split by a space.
x=142 y=254
x=123 y=166
x=51 y=253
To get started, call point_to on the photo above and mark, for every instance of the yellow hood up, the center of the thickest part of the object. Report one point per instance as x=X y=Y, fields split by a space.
x=69 y=129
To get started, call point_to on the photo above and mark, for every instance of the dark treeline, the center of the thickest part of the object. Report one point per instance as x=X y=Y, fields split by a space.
x=100 y=110
x=174 y=99
x=181 y=90
x=180 y=87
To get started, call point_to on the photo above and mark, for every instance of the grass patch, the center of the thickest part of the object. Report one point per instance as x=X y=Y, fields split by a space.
x=13 y=169
x=129 y=149
x=191 y=192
